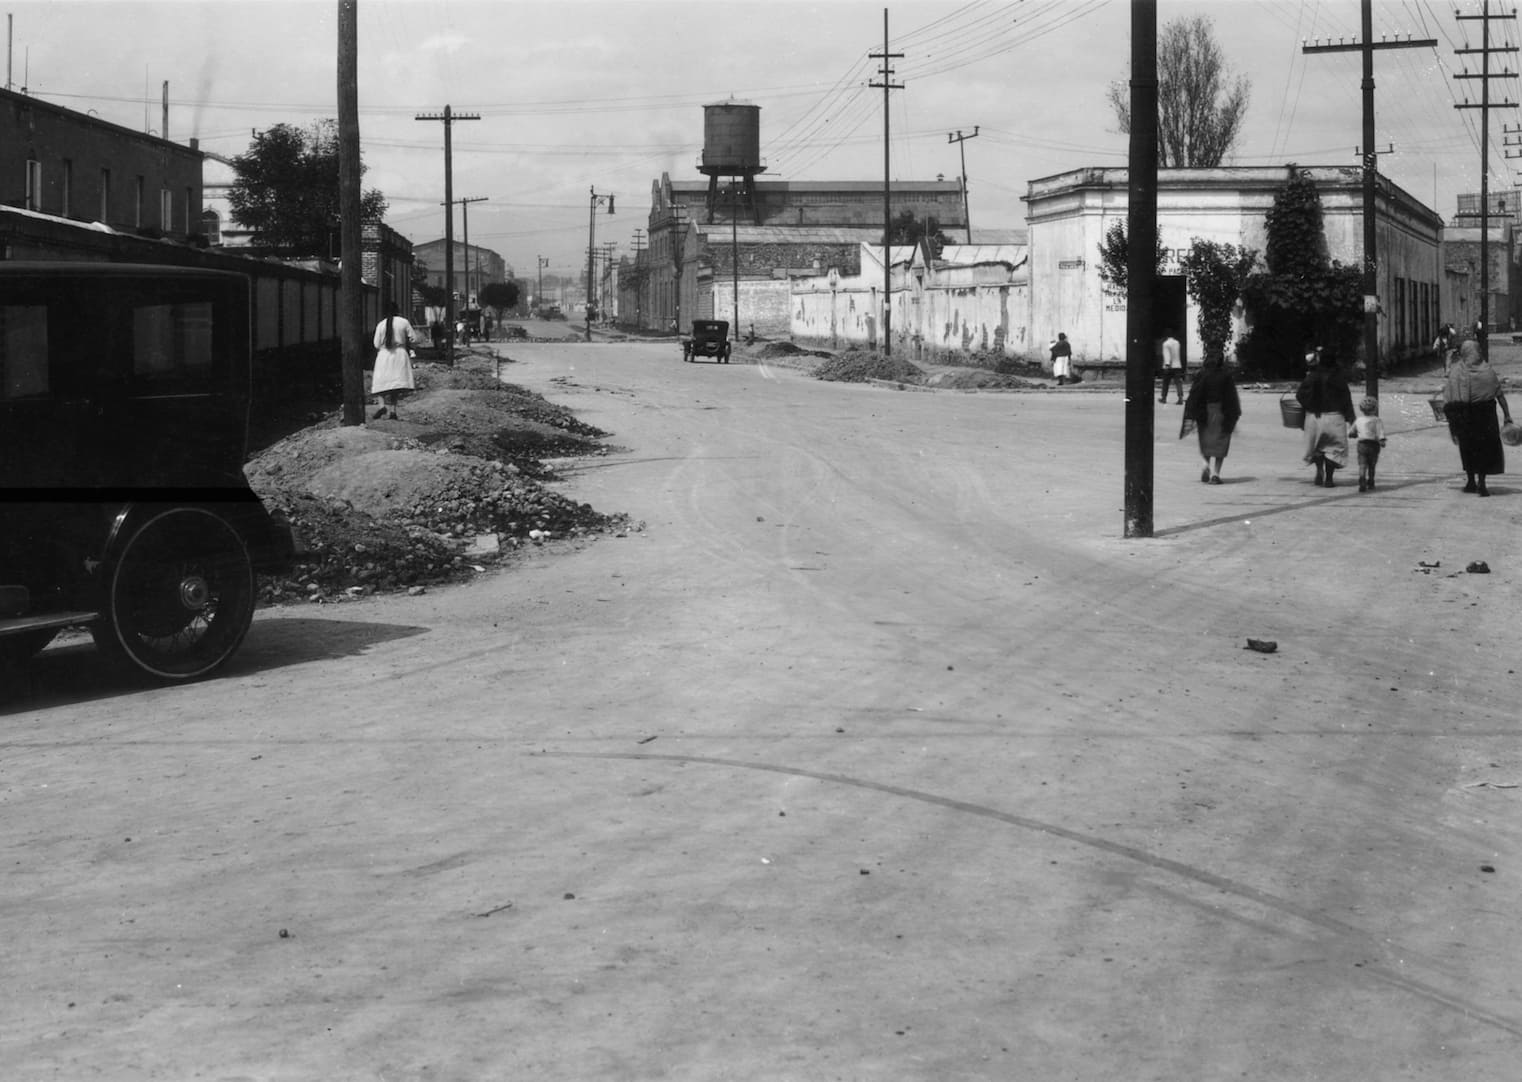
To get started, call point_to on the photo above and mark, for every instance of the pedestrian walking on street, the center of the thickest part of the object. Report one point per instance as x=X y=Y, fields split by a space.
x=1328 y=412
x=1443 y=344
x=1173 y=366
x=1215 y=408
x=1369 y=433
x=1062 y=359
x=394 y=339
x=1470 y=397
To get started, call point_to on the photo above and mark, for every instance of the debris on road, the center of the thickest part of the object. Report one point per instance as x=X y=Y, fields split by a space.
x=1478 y=567
x=1262 y=646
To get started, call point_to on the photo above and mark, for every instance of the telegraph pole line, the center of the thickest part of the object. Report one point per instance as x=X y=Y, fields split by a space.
x=448 y=117
x=539 y=294
x=961 y=141
x=592 y=249
x=1370 y=180
x=887 y=85
x=1485 y=105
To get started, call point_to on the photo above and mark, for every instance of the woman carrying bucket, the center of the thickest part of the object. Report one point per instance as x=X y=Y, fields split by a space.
x=1328 y=412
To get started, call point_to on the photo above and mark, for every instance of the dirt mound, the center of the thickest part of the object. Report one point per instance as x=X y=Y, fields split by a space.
x=777 y=350
x=977 y=379
x=409 y=502
x=859 y=366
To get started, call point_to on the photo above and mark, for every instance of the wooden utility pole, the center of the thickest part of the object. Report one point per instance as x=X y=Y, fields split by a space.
x=961 y=141
x=1141 y=267
x=1370 y=182
x=1485 y=105
x=350 y=231
x=592 y=250
x=448 y=117
x=888 y=85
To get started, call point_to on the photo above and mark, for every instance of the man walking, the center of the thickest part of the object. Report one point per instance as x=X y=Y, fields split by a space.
x=1173 y=366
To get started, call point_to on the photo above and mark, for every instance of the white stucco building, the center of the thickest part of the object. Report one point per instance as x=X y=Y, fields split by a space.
x=1068 y=215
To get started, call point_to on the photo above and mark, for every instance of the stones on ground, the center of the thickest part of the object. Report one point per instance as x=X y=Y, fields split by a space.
x=1478 y=567
x=1262 y=646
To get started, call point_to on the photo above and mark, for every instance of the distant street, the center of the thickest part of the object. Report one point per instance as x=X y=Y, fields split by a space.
x=877 y=753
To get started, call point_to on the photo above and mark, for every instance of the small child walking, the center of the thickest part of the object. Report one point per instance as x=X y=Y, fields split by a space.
x=1369 y=431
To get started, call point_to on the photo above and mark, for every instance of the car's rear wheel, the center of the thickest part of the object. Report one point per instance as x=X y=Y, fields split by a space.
x=180 y=596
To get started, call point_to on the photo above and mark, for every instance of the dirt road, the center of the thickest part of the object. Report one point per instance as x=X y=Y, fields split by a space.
x=878 y=754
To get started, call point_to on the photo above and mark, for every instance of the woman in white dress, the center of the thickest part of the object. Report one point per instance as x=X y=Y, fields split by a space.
x=394 y=339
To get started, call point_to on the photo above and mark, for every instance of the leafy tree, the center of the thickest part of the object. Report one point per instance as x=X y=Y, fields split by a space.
x=1216 y=274
x=1303 y=297
x=1199 y=105
x=286 y=188
x=1114 y=257
x=907 y=229
x=499 y=296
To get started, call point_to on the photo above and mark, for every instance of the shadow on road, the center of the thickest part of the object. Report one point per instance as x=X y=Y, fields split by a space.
x=72 y=671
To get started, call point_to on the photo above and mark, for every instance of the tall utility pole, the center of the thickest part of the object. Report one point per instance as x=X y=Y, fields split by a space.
x=961 y=141
x=448 y=117
x=888 y=85
x=1485 y=105
x=349 y=202
x=1141 y=269
x=1370 y=182
x=592 y=249
x=678 y=262
x=539 y=294
x=465 y=216
x=639 y=281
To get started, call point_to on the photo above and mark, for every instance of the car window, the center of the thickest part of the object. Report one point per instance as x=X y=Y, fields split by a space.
x=23 y=351
x=172 y=343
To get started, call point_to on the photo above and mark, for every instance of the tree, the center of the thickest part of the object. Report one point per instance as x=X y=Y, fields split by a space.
x=286 y=190
x=907 y=229
x=1115 y=254
x=1199 y=105
x=1216 y=274
x=1303 y=297
x=499 y=296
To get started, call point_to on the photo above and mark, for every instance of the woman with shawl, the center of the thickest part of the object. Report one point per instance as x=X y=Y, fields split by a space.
x=1214 y=408
x=394 y=338
x=1328 y=412
x=1470 y=397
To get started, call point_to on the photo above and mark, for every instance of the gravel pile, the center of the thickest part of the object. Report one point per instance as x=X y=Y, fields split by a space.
x=859 y=366
x=437 y=496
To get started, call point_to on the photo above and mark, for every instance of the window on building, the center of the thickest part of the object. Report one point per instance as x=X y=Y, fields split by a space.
x=67 y=206
x=105 y=196
x=189 y=199
x=33 y=184
x=166 y=209
x=211 y=225
x=137 y=201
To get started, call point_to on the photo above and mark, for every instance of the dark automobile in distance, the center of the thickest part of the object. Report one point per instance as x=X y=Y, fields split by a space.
x=124 y=404
x=709 y=338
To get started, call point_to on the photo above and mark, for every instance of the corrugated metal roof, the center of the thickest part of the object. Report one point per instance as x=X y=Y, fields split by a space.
x=719 y=232
x=966 y=255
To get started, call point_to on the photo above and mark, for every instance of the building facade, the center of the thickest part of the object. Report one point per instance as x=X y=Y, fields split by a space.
x=1069 y=215
x=732 y=257
x=71 y=165
x=474 y=267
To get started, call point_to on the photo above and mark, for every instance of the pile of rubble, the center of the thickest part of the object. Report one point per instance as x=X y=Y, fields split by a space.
x=439 y=495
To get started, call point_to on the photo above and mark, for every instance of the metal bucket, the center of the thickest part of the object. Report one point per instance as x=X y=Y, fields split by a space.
x=1292 y=412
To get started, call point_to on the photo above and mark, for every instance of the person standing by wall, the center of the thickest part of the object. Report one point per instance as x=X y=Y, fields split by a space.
x=393 y=340
x=1062 y=359
x=1470 y=398
x=1328 y=412
x=1215 y=408
x=1173 y=366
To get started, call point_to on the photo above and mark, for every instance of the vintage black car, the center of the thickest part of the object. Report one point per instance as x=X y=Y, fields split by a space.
x=124 y=408
x=709 y=338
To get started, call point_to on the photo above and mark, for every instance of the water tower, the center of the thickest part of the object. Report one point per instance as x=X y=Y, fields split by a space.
x=732 y=148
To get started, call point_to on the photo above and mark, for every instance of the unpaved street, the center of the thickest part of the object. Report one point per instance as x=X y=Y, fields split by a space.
x=877 y=754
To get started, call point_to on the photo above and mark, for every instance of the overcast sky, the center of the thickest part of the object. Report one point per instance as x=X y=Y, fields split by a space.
x=576 y=94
